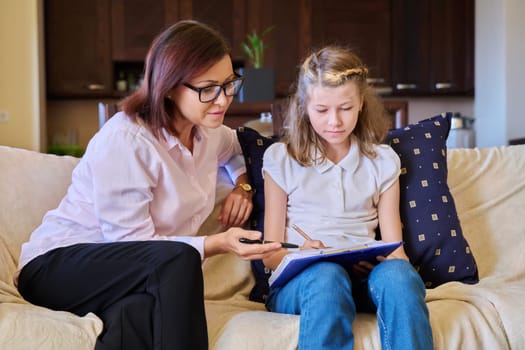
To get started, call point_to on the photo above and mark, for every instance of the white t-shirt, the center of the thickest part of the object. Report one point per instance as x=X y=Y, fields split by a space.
x=335 y=203
x=131 y=186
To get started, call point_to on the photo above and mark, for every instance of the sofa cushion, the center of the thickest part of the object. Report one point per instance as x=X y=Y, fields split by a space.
x=33 y=183
x=253 y=146
x=432 y=232
x=26 y=326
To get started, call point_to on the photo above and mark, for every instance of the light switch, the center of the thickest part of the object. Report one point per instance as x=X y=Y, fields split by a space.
x=4 y=117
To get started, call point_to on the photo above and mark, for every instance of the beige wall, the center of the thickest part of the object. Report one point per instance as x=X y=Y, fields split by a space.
x=21 y=92
x=72 y=121
x=500 y=53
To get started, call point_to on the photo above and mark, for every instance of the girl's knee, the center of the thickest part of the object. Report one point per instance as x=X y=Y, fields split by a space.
x=327 y=286
x=327 y=274
x=393 y=267
x=396 y=273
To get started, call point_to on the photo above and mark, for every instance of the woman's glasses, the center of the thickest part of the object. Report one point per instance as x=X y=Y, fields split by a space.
x=211 y=92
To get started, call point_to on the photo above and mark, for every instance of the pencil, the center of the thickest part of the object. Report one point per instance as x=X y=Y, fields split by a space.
x=301 y=232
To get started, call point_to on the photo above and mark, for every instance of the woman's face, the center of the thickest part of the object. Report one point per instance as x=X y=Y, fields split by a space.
x=189 y=109
x=333 y=112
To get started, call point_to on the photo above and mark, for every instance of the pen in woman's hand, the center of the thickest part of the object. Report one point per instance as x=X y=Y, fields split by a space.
x=259 y=241
x=301 y=232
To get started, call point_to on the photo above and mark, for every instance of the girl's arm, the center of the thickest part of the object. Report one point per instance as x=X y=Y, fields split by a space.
x=390 y=225
x=389 y=219
x=274 y=218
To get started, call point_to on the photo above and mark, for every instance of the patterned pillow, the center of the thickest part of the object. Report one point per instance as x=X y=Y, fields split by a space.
x=253 y=146
x=432 y=232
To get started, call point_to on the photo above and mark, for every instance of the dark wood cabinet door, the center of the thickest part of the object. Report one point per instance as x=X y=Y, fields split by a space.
x=221 y=15
x=364 y=26
x=287 y=43
x=452 y=51
x=432 y=47
x=413 y=47
x=410 y=46
x=78 y=48
x=135 y=23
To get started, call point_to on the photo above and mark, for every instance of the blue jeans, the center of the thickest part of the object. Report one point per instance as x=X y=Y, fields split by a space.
x=327 y=299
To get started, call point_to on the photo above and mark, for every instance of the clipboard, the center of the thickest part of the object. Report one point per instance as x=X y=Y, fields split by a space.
x=295 y=262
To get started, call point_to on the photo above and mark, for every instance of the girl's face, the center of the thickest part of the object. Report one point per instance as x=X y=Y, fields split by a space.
x=333 y=113
x=190 y=110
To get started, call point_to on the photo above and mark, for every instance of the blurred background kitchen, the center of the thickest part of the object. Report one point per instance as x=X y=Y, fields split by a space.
x=61 y=58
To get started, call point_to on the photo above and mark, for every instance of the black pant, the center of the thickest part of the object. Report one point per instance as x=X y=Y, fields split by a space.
x=149 y=294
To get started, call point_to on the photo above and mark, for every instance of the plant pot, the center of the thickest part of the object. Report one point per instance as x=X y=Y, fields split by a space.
x=258 y=85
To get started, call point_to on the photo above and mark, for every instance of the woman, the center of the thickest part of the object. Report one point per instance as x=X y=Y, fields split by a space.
x=122 y=243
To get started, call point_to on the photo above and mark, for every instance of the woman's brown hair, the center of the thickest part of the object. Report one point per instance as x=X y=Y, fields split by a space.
x=332 y=66
x=182 y=51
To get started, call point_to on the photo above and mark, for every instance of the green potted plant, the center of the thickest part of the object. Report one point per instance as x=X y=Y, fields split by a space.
x=258 y=80
x=254 y=47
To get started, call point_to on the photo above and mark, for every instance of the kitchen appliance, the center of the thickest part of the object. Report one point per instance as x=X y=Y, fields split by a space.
x=462 y=133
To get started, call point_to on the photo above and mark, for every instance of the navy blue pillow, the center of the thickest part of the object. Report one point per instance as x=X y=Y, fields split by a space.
x=253 y=146
x=432 y=233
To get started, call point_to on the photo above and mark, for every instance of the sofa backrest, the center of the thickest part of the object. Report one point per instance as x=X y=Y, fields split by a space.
x=31 y=184
x=488 y=186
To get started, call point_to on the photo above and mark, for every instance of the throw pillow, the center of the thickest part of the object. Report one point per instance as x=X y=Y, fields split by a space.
x=432 y=232
x=253 y=146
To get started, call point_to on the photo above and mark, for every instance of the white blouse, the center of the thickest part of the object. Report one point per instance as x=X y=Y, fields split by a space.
x=131 y=186
x=334 y=203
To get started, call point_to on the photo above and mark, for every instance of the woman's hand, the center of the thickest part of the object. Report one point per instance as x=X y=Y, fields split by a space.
x=228 y=242
x=236 y=208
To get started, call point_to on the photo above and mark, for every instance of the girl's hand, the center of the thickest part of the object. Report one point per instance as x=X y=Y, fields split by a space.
x=399 y=253
x=363 y=268
x=236 y=208
x=313 y=244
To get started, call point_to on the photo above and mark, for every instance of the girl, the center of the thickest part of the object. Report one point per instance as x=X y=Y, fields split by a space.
x=332 y=177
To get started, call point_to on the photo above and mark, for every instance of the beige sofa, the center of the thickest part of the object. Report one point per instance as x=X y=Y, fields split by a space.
x=488 y=186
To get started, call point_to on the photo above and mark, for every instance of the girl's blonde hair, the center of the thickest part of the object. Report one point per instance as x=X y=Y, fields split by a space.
x=332 y=66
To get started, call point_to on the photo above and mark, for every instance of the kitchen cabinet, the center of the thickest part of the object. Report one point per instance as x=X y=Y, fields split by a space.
x=89 y=44
x=134 y=24
x=433 y=47
x=364 y=26
x=78 y=48
x=412 y=47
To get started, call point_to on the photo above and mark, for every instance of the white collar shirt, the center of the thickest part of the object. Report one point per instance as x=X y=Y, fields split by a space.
x=130 y=185
x=335 y=203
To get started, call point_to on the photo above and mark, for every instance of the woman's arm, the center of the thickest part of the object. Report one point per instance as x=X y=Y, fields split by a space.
x=238 y=205
x=390 y=225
